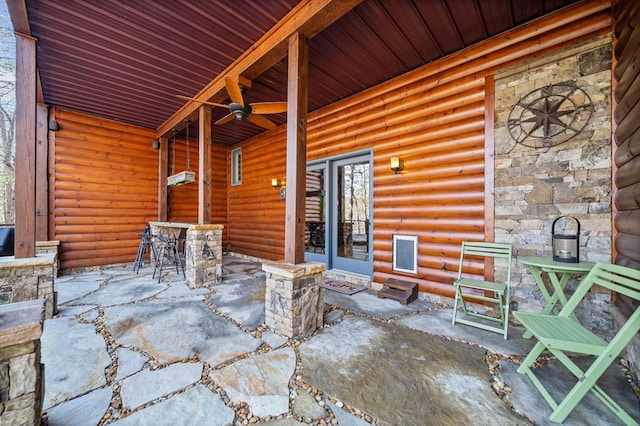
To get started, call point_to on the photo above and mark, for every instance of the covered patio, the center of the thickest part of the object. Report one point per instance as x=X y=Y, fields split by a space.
x=357 y=140
x=127 y=350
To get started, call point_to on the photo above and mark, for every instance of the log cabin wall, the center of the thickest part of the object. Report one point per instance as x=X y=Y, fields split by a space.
x=434 y=119
x=626 y=153
x=627 y=132
x=103 y=190
x=183 y=199
x=256 y=212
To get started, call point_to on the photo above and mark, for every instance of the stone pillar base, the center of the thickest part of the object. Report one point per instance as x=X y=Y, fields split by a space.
x=21 y=385
x=294 y=300
x=204 y=255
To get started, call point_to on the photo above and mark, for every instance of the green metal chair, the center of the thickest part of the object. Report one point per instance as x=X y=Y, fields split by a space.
x=473 y=255
x=564 y=333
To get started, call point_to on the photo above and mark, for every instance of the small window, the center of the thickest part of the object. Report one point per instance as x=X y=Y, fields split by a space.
x=236 y=166
x=405 y=253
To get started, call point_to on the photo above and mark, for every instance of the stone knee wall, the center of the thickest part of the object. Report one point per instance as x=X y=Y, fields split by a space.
x=538 y=179
x=29 y=279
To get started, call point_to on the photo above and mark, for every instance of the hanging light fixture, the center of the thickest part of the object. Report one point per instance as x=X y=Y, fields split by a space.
x=186 y=176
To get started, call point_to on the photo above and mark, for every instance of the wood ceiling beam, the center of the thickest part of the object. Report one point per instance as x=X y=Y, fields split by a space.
x=309 y=17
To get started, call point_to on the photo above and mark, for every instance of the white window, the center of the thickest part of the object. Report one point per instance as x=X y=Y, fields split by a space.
x=236 y=166
x=405 y=253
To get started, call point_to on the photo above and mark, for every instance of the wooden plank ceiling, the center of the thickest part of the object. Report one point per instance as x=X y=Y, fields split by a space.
x=127 y=60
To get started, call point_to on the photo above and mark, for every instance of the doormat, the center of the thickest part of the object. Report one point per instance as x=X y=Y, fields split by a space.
x=343 y=287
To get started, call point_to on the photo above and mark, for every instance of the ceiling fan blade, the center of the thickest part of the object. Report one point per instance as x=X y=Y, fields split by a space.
x=227 y=118
x=202 y=102
x=269 y=107
x=261 y=121
x=233 y=88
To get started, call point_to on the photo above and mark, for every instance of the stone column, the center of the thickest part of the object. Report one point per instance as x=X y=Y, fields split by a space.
x=293 y=298
x=21 y=385
x=204 y=255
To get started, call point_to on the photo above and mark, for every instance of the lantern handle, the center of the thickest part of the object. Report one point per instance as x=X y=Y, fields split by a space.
x=553 y=225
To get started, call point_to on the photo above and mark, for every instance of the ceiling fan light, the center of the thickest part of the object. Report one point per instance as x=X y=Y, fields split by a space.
x=239 y=114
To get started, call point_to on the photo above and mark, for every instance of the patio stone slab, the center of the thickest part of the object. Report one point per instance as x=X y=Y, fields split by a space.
x=402 y=376
x=75 y=289
x=262 y=381
x=148 y=385
x=438 y=322
x=344 y=418
x=66 y=345
x=192 y=329
x=85 y=410
x=195 y=406
x=181 y=289
x=129 y=362
x=119 y=290
x=367 y=301
x=558 y=381
x=242 y=301
x=68 y=311
x=307 y=407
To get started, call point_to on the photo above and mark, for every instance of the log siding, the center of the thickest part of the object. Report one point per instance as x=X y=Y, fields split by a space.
x=104 y=189
x=434 y=119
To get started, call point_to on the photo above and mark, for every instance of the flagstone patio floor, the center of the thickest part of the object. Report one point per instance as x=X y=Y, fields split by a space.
x=124 y=349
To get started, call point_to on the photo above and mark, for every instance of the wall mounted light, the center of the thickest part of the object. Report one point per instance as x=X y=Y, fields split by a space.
x=396 y=165
x=155 y=144
x=280 y=183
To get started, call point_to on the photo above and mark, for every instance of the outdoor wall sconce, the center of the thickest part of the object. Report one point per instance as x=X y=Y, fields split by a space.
x=155 y=144
x=396 y=165
x=277 y=183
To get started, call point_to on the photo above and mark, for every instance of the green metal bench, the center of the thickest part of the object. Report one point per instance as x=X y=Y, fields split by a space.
x=564 y=333
x=478 y=290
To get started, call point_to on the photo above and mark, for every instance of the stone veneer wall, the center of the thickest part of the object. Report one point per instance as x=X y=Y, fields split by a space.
x=533 y=186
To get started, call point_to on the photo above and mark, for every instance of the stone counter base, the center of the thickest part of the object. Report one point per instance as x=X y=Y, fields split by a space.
x=20 y=370
x=29 y=279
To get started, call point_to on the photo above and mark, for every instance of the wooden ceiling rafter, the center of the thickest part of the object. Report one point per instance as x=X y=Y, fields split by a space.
x=309 y=18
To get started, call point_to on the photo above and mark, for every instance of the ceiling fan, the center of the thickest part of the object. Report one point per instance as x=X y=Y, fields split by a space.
x=241 y=110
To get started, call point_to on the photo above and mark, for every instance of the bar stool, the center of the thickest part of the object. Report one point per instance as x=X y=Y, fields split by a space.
x=168 y=250
x=146 y=245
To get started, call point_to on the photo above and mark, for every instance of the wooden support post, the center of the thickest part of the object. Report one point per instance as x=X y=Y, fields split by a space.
x=25 y=236
x=296 y=148
x=204 y=166
x=41 y=170
x=163 y=167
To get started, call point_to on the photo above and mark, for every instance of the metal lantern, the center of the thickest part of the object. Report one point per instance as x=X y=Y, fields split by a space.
x=565 y=246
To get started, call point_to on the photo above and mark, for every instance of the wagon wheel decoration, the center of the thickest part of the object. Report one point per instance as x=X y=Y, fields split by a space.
x=550 y=115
